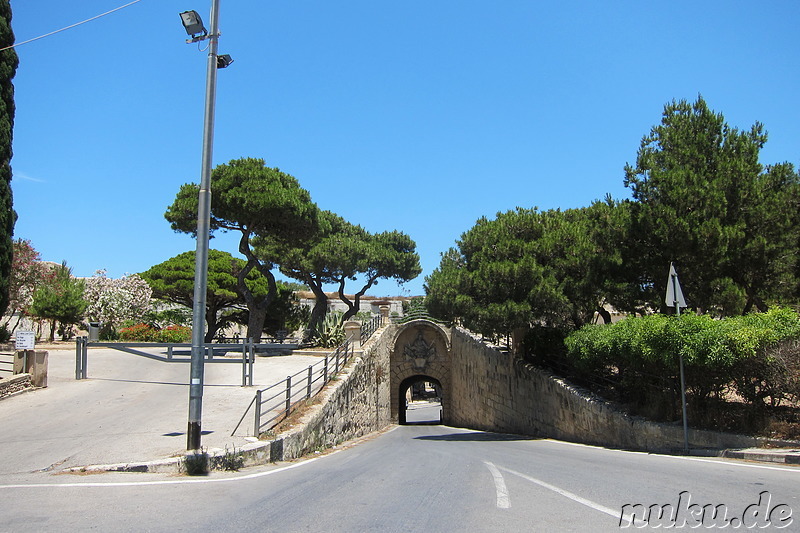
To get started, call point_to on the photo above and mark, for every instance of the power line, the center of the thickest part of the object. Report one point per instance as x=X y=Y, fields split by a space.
x=71 y=26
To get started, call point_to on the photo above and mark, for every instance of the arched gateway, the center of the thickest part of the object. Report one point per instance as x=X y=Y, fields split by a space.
x=421 y=352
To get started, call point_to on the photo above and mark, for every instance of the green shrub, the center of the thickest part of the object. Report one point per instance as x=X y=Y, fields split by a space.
x=147 y=333
x=174 y=334
x=643 y=354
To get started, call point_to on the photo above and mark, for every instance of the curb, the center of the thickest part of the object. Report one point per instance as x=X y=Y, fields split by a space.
x=790 y=457
x=253 y=454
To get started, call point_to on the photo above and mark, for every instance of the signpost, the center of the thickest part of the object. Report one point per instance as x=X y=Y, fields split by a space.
x=674 y=298
x=25 y=340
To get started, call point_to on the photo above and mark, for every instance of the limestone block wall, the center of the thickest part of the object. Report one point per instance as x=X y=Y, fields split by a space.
x=356 y=404
x=495 y=391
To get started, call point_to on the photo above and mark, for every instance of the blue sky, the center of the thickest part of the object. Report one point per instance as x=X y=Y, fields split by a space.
x=416 y=116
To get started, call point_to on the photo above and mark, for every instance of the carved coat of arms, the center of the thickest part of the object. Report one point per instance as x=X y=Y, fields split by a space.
x=419 y=351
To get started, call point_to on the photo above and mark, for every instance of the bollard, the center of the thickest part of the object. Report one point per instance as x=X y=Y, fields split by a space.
x=257 y=424
x=288 y=394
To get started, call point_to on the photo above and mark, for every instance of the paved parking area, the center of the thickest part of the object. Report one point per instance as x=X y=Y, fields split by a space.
x=129 y=409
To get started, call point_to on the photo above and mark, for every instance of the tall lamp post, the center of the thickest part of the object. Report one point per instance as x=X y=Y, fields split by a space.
x=194 y=27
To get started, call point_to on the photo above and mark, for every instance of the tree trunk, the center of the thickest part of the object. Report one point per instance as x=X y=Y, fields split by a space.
x=604 y=314
x=211 y=324
x=352 y=308
x=320 y=306
x=255 y=322
x=257 y=309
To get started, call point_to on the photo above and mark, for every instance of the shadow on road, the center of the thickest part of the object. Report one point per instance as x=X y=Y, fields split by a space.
x=476 y=437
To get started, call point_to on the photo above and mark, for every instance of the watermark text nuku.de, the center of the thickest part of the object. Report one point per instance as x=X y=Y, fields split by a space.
x=684 y=513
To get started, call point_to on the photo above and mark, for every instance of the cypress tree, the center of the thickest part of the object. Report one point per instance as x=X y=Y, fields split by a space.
x=8 y=67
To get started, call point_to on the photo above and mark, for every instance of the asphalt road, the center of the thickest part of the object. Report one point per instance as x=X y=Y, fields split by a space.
x=413 y=479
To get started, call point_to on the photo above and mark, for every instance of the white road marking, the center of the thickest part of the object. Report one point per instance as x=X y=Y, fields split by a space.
x=503 y=501
x=574 y=497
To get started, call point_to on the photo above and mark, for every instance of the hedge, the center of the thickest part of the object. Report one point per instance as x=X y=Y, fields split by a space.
x=737 y=352
x=147 y=333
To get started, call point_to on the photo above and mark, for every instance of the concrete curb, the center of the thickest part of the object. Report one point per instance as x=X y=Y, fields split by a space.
x=253 y=454
x=789 y=457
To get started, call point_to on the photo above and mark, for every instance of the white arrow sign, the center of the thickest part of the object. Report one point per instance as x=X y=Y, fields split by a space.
x=674 y=296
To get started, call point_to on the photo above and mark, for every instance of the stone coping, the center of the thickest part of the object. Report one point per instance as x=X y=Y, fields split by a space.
x=16 y=384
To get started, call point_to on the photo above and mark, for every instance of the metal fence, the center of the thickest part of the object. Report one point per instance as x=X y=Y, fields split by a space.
x=273 y=404
x=7 y=362
x=370 y=327
x=174 y=353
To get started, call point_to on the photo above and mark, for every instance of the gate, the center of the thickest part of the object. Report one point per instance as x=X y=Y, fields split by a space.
x=177 y=353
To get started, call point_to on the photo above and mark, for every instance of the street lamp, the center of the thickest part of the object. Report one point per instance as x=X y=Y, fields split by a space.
x=194 y=26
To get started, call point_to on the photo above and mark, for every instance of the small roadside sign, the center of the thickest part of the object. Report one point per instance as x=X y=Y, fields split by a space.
x=674 y=297
x=25 y=340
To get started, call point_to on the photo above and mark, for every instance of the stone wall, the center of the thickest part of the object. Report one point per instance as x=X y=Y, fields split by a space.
x=487 y=389
x=14 y=384
x=495 y=391
x=355 y=404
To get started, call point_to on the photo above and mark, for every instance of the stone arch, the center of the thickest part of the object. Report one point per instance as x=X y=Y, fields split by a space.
x=403 y=388
x=421 y=350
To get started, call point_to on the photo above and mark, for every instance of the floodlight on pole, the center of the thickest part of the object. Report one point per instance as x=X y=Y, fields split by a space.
x=193 y=23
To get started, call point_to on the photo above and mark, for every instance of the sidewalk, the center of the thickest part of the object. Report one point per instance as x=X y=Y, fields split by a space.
x=130 y=409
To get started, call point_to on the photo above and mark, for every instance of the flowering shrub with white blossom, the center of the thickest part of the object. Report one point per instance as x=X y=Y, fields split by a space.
x=113 y=301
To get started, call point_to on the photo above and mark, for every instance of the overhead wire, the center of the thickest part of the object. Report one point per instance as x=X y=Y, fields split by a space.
x=70 y=26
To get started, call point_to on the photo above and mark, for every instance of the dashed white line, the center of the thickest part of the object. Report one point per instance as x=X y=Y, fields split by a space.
x=503 y=501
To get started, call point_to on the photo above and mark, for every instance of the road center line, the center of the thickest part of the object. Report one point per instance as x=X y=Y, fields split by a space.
x=503 y=501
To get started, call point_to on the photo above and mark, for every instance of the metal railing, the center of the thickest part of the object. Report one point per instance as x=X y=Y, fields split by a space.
x=7 y=362
x=370 y=327
x=173 y=353
x=274 y=403
x=279 y=338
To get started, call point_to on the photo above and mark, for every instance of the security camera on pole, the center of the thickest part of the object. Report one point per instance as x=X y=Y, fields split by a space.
x=675 y=299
